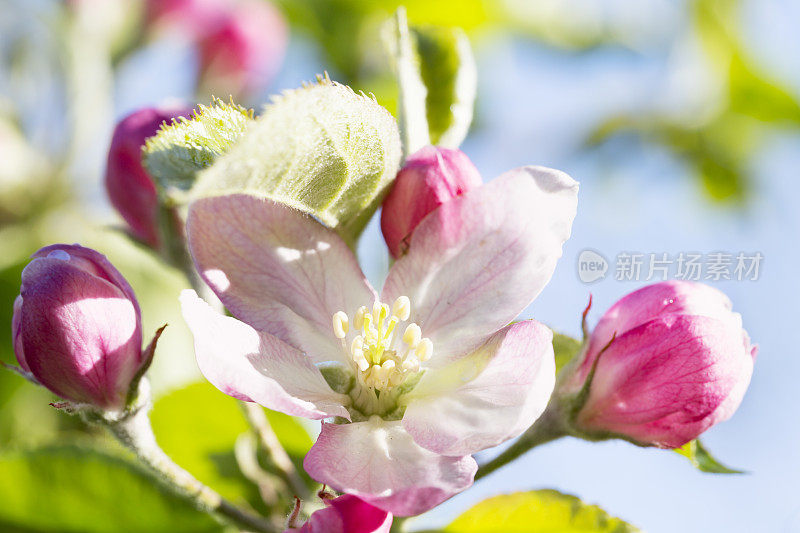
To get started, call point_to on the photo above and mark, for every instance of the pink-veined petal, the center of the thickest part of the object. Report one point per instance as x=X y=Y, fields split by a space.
x=487 y=397
x=379 y=462
x=478 y=260
x=257 y=367
x=277 y=269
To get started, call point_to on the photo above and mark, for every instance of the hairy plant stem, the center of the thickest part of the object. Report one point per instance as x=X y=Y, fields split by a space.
x=134 y=432
x=269 y=440
x=547 y=428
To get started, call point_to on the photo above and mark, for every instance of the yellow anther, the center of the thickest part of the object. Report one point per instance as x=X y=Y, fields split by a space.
x=424 y=349
x=358 y=320
x=340 y=324
x=402 y=308
x=412 y=335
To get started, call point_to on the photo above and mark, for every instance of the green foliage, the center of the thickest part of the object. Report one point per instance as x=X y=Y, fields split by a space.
x=437 y=80
x=450 y=76
x=198 y=427
x=74 y=490
x=719 y=146
x=702 y=459
x=538 y=511
x=322 y=148
x=565 y=348
x=184 y=147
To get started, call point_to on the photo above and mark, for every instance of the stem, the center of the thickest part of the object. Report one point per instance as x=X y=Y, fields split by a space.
x=135 y=433
x=548 y=428
x=260 y=423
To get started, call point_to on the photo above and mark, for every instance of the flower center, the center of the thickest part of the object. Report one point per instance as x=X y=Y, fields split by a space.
x=383 y=357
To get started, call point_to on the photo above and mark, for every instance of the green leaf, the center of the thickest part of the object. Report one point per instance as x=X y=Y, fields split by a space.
x=565 y=348
x=437 y=80
x=73 y=490
x=448 y=71
x=322 y=148
x=182 y=148
x=538 y=511
x=702 y=459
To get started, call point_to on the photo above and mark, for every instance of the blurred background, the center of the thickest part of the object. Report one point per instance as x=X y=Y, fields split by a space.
x=680 y=119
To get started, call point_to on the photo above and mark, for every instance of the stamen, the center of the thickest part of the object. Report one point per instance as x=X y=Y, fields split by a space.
x=402 y=308
x=341 y=324
x=383 y=363
x=424 y=350
x=358 y=320
x=412 y=335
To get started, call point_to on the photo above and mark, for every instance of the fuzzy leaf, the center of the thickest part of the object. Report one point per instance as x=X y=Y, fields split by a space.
x=322 y=148
x=181 y=149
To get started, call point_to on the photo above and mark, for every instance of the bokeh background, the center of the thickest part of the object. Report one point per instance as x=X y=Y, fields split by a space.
x=680 y=119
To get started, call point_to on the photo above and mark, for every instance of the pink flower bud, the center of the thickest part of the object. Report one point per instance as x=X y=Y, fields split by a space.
x=77 y=326
x=130 y=188
x=430 y=177
x=240 y=43
x=347 y=514
x=672 y=361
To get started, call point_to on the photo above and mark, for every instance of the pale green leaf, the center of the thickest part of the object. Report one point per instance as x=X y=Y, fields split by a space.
x=565 y=349
x=702 y=459
x=182 y=148
x=323 y=149
x=73 y=490
x=448 y=71
x=538 y=511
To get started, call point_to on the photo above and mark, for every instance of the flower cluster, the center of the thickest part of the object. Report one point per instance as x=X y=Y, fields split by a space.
x=410 y=381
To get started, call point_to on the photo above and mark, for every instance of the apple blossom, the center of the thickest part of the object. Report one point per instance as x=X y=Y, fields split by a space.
x=410 y=382
x=346 y=514
x=130 y=188
x=429 y=178
x=240 y=43
x=77 y=327
x=670 y=360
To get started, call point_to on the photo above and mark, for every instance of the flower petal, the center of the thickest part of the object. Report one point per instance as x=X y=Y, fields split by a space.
x=79 y=333
x=668 y=380
x=478 y=260
x=257 y=367
x=659 y=299
x=379 y=462
x=348 y=514
x=277 y=269
x=454 y=412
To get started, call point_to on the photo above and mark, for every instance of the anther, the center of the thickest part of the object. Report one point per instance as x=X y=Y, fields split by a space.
x=402 y=308
x=424 y=350
x=358 y=320
x=412 y=335
x=340 y=324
